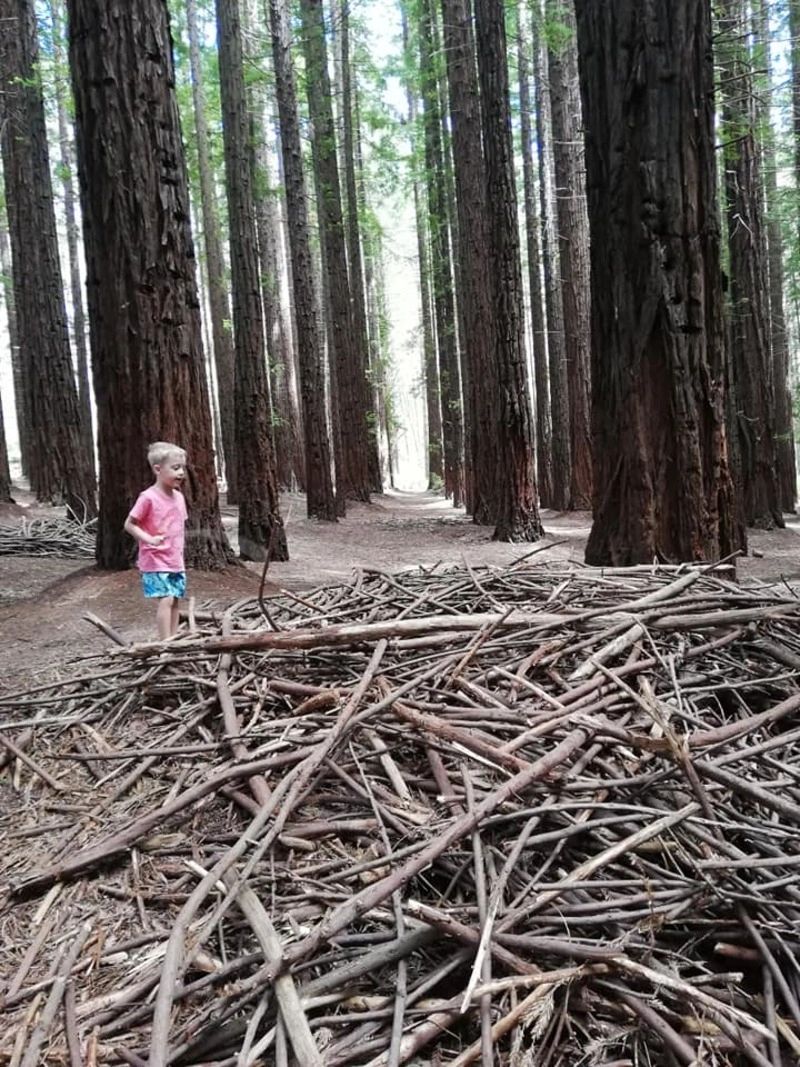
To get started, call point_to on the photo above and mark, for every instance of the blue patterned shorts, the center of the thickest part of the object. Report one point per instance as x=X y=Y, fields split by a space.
x=164 y=583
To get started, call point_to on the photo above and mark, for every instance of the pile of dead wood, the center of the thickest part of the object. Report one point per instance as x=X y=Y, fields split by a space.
x=53 y=536
x=539 y=814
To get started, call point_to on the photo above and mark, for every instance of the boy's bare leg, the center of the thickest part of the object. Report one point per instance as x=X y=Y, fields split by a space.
x=164 y=617
x=174 y=616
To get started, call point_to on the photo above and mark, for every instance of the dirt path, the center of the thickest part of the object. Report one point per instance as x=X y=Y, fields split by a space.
x=42 y=600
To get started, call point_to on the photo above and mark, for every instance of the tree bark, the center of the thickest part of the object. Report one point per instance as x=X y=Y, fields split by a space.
x=285 y=428
x=353 y=479
x=320 y=500
x=144 y=314
x=60 y=468
x=474 y=292
x=517 y=510
x=261 y=531
x=753 y=385
x=355 y=206
x=220 y=315
x=434 y=455
x=13 y=338
x=65 y=142
x=441 y=265
x=662 y=488
x=573 y=247
x=787 y=455
x=556 y=342
x=544 y=428
x=5 y=473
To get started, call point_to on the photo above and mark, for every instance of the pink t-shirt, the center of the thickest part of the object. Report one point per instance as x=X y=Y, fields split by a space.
x=160 y=513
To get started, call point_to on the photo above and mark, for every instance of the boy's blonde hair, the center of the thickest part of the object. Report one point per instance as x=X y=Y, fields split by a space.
x=161 y=451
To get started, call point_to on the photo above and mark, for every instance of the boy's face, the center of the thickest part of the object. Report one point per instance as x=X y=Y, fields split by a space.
x=171 y=473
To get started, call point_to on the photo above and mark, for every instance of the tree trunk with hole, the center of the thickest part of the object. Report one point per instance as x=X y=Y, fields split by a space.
x=144 y=315
x=60 y=466
x=261 y=531
x=320 y=500
x=662 y=489
x=517 y=512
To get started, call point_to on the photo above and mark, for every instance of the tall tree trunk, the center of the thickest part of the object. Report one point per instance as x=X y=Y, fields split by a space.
x=779 y=340
x=662 y=489
x=441 y=270
x=261 y=531
x=475 y=293
x=517 y=510
x=285 y=370
x=430 y=366
x=70 y=217
x=285 y=428
x=434 y=455
x=573 y=246
x=353 y=480
x=556 y=342
x=320 y=500
x=20 y=408
x=753 y=386
x=544 y=429
x=5 y=473
x=222 y=341
x=144 y=313
x=355 y=206
x=60 y=467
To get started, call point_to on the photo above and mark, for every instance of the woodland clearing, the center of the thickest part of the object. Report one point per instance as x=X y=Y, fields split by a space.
x=43 y=599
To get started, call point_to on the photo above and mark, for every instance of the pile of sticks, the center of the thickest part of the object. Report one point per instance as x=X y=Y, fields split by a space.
x=533 y=814
x=55 y=536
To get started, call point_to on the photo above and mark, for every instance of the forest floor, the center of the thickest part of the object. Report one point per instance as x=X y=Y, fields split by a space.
x=43 y=598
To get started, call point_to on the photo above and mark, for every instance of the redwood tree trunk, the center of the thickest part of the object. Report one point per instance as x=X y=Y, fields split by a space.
x=320 y=499
x=544 y=429
x=517 y=510
x=475 y=293
x=5 y=473
x=556 y=342
x=60 y=467
x=430 y=370
x=220 y=315
x=354 y=200
x=70 y=217
x=348 y=344
x=441 y=267
x=753 y=383
x=662 y=488
x=573 y=247
x=144 y=314
x=20 y=409
x=261 y=531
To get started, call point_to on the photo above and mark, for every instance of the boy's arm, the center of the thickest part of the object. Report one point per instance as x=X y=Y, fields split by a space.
x=139 y=534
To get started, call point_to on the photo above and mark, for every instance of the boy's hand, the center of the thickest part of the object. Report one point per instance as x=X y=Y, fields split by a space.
x=155 y=540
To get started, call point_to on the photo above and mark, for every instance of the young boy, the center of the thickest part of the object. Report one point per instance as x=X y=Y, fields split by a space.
x=156 y=521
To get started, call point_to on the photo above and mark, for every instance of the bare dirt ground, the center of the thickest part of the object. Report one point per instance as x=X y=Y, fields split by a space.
x=43 y=599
